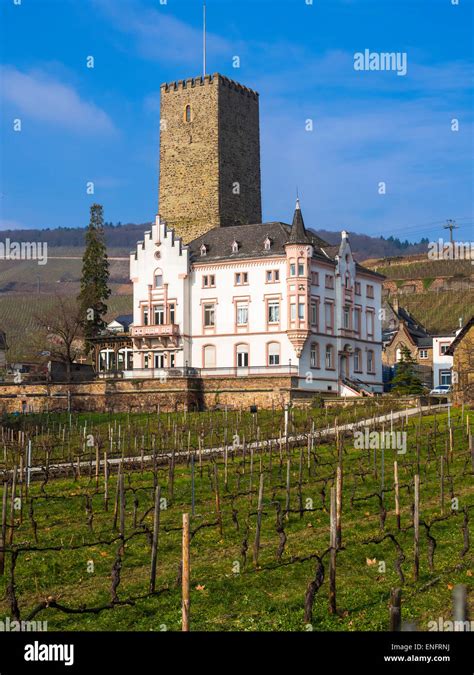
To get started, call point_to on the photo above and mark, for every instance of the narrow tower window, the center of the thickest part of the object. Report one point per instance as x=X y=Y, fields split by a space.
x=188 y=113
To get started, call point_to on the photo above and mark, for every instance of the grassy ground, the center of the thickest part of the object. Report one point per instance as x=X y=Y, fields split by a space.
x=226 y=592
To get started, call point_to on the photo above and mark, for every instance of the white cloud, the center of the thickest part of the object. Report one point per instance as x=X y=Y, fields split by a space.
x=39 y=96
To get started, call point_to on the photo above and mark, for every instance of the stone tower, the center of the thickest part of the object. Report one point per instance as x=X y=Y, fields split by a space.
x=209 y=155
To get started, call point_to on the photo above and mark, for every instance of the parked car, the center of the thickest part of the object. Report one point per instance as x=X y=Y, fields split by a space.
x=441 y=390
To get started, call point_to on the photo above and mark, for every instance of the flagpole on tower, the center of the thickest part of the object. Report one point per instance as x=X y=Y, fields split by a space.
x=204 y=38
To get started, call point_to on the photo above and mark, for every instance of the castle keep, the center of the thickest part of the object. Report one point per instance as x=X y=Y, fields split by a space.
x=209 y=155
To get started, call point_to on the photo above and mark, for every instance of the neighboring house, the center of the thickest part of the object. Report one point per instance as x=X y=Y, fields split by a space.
x=442 y=360
x=462 y=352
x=113 y=347
x=3 y=349
x=403 y=330
x=257 y=299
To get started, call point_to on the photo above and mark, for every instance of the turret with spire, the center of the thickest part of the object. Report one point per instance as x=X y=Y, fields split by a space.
x=299 y=250
x=298 y=231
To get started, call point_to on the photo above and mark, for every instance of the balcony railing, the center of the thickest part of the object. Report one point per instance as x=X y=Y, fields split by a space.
x=166 y=329
x=187 y=371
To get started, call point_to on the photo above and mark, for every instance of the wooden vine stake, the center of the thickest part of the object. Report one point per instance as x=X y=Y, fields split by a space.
x=154 y=546
x=185 y=604
x=397 y=493
x=396 y=609
x=416 y=528
x=256 y=547
x=3 y=532
x=333 y=553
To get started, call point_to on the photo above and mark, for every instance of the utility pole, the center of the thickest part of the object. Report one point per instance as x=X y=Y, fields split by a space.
x=204 y=67
x=451 y=226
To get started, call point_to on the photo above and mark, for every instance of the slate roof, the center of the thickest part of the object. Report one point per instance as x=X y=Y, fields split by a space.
x=124 y=319
x=250 y=238
x=418 y=332
x=298 y=233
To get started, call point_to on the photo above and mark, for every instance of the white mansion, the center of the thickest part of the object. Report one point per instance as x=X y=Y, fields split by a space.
x=256 y=299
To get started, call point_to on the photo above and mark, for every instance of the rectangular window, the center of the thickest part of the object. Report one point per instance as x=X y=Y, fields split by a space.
x=242 y=358
x=158 y=280
x=357 y=361
x=328 y=357
x=159 y=315
x=300 y=268
x=274 y=354
x=273 y=311
x=292 y=269
x=423 y=353
x=313 y=357
x=314 y=314
x=242 y=314
x=370 y=291
x=241 y=278
x=370 y=324
x=272 y=276
x=315 y=278
x=328 y=316
x=172 y=313
x=443 y=349
x=346 y=318
x=301 y=308
x=159 y=360
x=209 y=316
x=357 y=320
x=293 y=311
x=329 y=281
x=145 y=316
x=357 y=288
x=445 y=377
x=370 y=361
x=209 y=281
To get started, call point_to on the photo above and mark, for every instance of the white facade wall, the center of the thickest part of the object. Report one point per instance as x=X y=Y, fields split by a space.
x=441 y=362
x=183 y=286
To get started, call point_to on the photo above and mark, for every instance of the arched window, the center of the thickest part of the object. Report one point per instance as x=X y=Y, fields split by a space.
x=370 y=361
x=187 y=114
x=158 y=278
x=357 y=361
x=314 y=355
x=125 y=359
x=242 y=355
x=329 y=357
x=273 y=353
x=209 y=356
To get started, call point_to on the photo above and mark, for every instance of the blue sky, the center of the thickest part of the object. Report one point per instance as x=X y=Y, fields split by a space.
x=101 y=124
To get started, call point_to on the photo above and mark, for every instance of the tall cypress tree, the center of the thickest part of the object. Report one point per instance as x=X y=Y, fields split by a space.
x=95 y=275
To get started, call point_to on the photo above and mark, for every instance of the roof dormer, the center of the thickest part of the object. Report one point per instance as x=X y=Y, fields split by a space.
x=203 y=249
x=267 y=244
x=235 y=246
